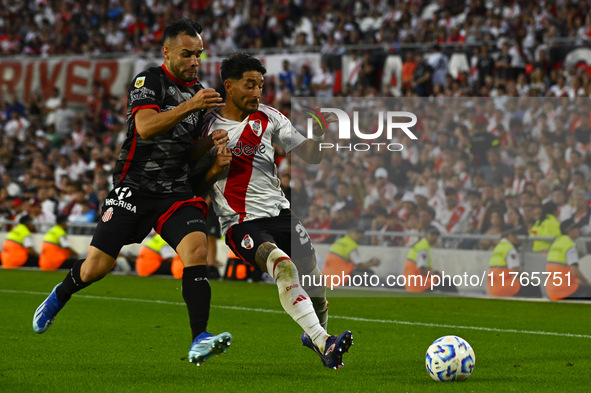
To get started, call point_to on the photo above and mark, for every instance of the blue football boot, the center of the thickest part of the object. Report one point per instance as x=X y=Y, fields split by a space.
x=46 y=312
x=207 y=345
x=335 y=348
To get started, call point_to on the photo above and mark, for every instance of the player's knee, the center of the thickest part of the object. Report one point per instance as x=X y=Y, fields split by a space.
x=194 y=255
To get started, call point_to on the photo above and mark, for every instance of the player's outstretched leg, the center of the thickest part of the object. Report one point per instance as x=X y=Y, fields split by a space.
x=295 y=301
x=314 y=286
x=335 y=348
x=96 y=266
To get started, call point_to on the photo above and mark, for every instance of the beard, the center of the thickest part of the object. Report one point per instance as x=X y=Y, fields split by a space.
x=248 y=109
x=180 y=74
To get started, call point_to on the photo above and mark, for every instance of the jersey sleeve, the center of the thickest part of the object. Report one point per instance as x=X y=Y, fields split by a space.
x=145 y=92
x=167 y=252
x=200 y=168
x=572 y=256
x=207 y=127
x=355 y=257
x=28 y=242
x=285 y=135
x=64 y=242
x=512 y=259
x=423 y=259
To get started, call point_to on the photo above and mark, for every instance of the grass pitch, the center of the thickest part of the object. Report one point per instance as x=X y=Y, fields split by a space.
x=131 y=334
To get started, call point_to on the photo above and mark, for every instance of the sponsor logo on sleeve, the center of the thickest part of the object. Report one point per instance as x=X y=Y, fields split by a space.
x=139 y=82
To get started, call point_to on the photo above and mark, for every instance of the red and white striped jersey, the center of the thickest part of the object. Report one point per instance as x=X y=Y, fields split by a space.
x=455 y=220
x=250 y=188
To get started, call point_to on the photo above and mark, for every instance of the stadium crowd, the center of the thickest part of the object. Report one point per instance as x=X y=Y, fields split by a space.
x=49 y=27
x=478 y=164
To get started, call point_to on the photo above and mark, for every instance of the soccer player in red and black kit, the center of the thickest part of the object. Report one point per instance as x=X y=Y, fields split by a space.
x=166 y=106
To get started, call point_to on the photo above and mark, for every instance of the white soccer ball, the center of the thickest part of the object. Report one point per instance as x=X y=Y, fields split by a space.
x=450 y=358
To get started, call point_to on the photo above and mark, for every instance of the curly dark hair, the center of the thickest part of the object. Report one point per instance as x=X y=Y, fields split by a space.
x=237 y=64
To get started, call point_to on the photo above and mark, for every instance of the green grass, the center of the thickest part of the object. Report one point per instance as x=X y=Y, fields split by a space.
x=112 y=345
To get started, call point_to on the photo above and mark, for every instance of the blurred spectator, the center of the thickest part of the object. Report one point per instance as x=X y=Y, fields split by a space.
x=421 y=78
x=323 y=81
x=287 y=76
x=381 y=193
x=455 y=216
x=439 y=63
x=17 y=126
x=13 y=189
x=318 y=220
x=496 y=170
x=581 y=213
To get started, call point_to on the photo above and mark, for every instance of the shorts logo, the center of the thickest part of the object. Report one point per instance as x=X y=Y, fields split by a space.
x=139 y=82
x=247 y=242
x=256 y=126
x=122 y=192
x=107 y=215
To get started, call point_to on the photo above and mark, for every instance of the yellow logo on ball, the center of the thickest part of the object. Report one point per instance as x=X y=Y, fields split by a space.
x=139 y=82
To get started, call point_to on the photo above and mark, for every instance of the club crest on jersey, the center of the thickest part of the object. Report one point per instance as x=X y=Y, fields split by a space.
x=256 y=126
x=247 y=242
x=108 y=214
x=139 y=82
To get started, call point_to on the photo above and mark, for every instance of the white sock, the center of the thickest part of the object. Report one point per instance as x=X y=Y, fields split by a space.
x=295 y=301
x=318 y=296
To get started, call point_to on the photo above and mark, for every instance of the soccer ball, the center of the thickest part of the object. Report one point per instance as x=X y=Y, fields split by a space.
x=450 y=358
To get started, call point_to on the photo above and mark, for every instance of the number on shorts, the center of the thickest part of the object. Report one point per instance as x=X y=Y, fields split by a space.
x=304 y=238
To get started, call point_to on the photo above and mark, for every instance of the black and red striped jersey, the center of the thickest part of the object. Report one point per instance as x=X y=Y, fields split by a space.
x=159 y=165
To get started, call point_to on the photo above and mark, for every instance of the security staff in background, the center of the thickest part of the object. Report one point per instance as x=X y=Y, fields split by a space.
x=566 y=280
x=154 y=257
x=17 y=250
x=343 y=257
x=505 y=259
x=547 y=226
x=56 y=250
x=418 y=263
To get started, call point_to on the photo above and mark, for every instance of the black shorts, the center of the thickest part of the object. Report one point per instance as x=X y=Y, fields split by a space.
x=286 y=231
x=213 y=226
x=129 y=215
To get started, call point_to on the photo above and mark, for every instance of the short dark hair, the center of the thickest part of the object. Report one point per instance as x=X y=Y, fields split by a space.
x=182 y=26
x=237 y=64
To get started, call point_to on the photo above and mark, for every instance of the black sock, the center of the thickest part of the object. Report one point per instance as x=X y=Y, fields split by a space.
x=197 y=295
x=71 y=284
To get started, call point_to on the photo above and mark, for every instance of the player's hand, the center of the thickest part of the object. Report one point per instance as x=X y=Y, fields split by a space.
x=222 y=160
x=316 y=129
x=206 y=99
x=220 y=138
